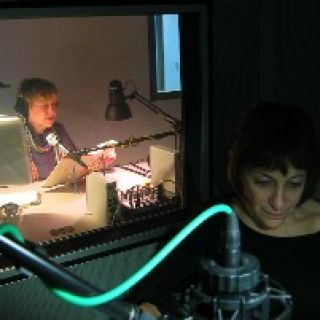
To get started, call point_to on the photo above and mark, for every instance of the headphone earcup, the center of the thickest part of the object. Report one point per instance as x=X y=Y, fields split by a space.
x=21 y=107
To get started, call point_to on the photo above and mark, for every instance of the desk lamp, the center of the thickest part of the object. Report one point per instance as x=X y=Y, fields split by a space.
x=118 y=109
x=163 y=162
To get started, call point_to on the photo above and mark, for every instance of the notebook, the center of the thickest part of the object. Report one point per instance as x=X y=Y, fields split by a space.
x=14 y=155
x=67 y=171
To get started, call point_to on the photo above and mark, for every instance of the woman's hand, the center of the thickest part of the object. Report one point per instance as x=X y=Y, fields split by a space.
x=100 y=160
x=109 y=155
x=150 y=309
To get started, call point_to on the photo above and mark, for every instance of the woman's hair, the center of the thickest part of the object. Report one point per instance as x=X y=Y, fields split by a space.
x=31 y=88
x=274 y=136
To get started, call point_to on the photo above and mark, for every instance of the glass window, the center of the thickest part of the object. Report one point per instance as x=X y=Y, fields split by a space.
x=164 y=56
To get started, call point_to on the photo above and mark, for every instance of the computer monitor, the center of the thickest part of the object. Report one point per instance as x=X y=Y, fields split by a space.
x=14 y=155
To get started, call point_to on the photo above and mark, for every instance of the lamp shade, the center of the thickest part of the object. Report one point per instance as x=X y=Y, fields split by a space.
x=117 y=109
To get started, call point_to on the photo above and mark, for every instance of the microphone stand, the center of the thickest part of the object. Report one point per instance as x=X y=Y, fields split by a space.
x=236 y=290
x=130 y=142
x=30 y=259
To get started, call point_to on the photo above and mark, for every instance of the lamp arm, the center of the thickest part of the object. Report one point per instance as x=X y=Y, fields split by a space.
x=176 y=123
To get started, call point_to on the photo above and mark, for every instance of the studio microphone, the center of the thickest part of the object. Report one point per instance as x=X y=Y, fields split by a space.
x=232 y=242
x=236 y=289
x=53 y=140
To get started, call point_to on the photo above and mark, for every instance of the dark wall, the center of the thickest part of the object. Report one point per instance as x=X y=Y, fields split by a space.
x=262 y=50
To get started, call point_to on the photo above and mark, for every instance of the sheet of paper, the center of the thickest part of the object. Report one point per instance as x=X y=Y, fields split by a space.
x=70 y=171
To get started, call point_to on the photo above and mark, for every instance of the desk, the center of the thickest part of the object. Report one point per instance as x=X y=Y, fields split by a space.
x=63 y=212
x=89 y=244
x=60 y=213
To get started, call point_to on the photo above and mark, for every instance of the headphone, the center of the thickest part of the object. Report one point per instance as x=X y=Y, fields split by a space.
x=21 y=106
x=28 y=88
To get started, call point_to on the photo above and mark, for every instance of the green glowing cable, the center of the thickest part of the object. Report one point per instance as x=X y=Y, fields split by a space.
x=135 y=278
x=11 y=229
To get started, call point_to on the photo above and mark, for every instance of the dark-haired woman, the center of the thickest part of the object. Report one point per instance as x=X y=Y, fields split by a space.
x=273 y=170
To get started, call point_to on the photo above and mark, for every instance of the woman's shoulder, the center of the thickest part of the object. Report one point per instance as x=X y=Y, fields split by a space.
x=308 y=215
x=310 y=208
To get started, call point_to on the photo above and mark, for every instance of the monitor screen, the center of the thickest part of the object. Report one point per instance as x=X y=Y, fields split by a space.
x=14 y=157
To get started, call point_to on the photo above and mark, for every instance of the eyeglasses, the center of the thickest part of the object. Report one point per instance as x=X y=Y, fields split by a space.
x=47 y=106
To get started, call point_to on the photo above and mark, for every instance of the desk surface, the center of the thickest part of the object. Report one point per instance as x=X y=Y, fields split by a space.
x=62 y=210
x=69 y=233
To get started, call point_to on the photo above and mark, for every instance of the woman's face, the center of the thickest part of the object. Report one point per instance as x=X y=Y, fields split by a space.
x=273 y=196
x=42 y=112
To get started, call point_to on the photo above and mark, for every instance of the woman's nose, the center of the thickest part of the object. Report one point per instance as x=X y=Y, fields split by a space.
x=277 y=200
x=51 y=109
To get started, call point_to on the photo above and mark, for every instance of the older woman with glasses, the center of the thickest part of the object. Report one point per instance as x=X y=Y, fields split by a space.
x=38 y=102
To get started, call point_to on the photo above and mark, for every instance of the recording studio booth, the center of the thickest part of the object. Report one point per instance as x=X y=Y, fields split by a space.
x=171 y=150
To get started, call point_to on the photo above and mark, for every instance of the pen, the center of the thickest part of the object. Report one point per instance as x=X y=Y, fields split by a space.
x=4 y=186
